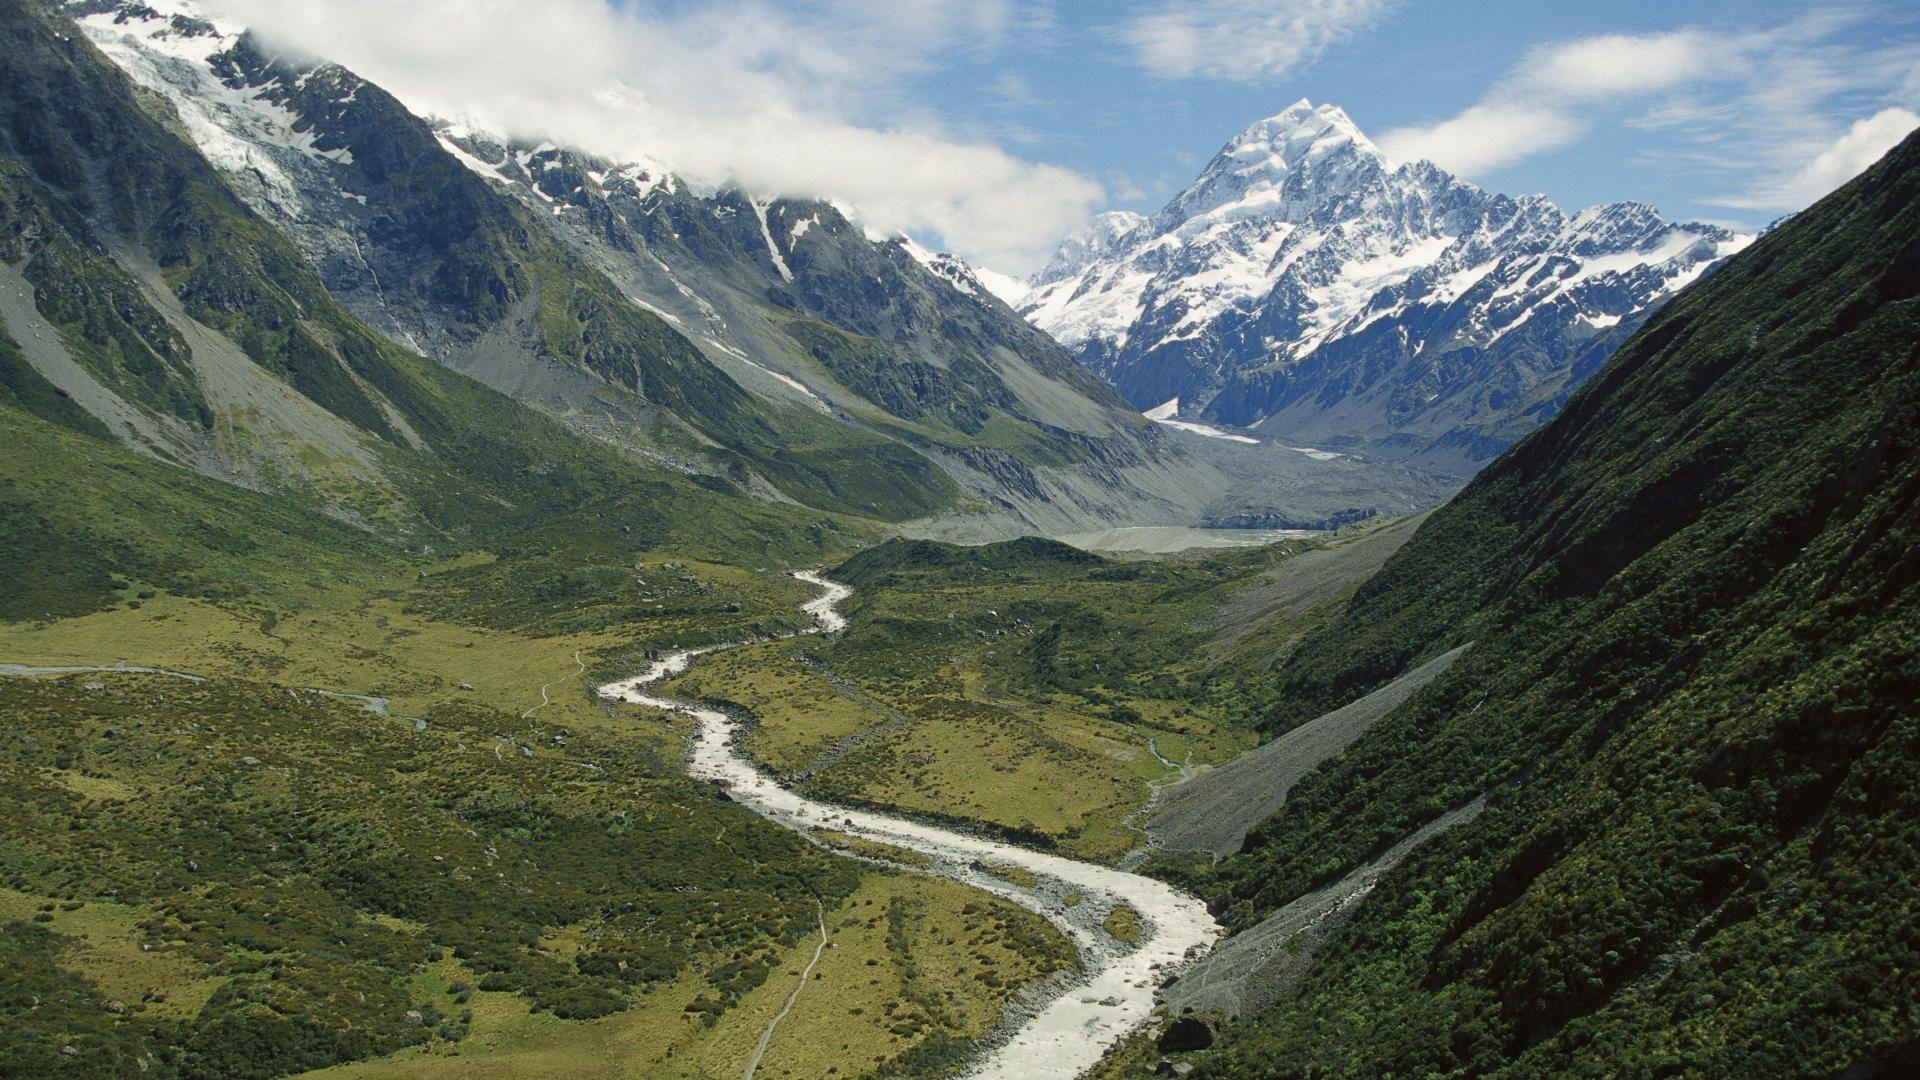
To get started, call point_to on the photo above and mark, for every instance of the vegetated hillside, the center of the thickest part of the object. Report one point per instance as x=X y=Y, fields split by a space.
x=283 y=918
x=1695 y=603
x=929 y=562
x=82 y=523
x=143 y=302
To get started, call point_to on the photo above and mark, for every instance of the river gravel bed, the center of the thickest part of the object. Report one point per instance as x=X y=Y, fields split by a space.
x=1059 y=1037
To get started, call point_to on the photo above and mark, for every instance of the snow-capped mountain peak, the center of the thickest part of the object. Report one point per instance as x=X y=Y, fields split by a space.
x=1096 y=240
x=1289 y=161
x=1299 y=135
x=1301 y=272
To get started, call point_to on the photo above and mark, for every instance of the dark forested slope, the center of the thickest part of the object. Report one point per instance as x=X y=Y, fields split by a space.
x=1692 y=700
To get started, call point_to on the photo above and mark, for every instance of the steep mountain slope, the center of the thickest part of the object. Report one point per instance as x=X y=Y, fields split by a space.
x=137 y=290
x=420 y=248
x=141 y=301
x=1307 y=289
x=1694 y=603
x=616 y=298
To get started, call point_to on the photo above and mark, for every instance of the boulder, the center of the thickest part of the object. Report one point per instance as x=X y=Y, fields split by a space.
x=1186 y=1033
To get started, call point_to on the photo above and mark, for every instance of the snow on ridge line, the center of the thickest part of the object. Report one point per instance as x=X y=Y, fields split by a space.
x=473 y=163
x=1296 y=237
x=1011 y=290
x=966 y=277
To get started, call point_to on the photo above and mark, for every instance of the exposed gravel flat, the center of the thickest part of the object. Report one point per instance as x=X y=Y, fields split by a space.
x=1251 y=969
x=1305 y=580
x=1213 y=811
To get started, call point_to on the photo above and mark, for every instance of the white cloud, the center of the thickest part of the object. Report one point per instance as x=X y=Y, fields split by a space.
x=1615 y=65
x=1775 y=111
x=1862 y=144
x=1484 y=137
x=1536 y=107
x=794 y=99
x=1246 y=40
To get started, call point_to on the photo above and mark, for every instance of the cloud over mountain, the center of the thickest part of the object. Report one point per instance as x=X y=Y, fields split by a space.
x=788 y=99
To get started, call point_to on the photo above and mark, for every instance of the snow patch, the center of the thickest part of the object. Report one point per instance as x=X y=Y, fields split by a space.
x=236 y=130
x=773 y=249
x=1011 y=290
x=1317 y=455
x=1204 y=431
x=472 y=163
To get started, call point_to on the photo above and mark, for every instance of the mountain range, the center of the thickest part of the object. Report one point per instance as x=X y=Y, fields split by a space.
x=772 y=342
x=1305 y=289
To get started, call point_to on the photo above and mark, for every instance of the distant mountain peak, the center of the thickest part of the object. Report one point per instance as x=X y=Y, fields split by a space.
x=1304 y=284
x=1094 y=240
x=1301 y=132
x=1295 y=160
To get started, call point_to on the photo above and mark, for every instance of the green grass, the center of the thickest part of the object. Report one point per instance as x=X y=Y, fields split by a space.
x=586 y=896
x=582 y=894
x=84 y=525
x=873 y=849
x=800 y=711
x=308 y=853
x=1124 y=924
x=916 y=969
x=543 y=852
x=1014 y=685
x=1017 y=875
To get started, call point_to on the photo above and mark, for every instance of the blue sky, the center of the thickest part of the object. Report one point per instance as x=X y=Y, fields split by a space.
x=993 y=127
x=1079 y=96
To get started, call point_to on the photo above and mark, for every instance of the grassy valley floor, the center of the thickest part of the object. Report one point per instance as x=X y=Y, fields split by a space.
x=387 y=821
x=1036 y=689
x=364 y=807
x=491 y=873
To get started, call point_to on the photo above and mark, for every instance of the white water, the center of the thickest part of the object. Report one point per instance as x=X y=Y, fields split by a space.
x=1065 y=1036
